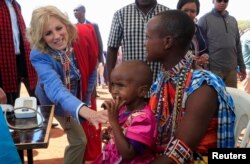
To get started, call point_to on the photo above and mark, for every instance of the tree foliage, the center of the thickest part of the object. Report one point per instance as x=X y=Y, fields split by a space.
x=243 y=25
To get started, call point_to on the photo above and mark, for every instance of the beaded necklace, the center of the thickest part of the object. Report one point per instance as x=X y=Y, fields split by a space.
x=166 y=101
x=66 y=68
x=179 y=93
x=64 y=57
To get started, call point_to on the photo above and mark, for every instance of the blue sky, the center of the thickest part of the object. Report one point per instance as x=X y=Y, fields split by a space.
x=101 y=11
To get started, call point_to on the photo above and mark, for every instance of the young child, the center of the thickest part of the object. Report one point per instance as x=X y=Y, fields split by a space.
x=193 y=109
x=133 y=125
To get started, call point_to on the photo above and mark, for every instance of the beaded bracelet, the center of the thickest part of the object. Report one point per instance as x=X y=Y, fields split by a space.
x=178 y=151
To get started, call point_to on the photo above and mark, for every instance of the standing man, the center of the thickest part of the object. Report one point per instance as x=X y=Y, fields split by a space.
x=128 y=31
x=79 y=13
x=15 y=66
x=225 y=54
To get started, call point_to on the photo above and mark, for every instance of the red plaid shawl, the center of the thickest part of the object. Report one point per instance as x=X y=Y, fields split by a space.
x=8 y=68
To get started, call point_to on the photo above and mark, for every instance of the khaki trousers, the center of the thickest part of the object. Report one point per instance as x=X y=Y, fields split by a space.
x=74 y=152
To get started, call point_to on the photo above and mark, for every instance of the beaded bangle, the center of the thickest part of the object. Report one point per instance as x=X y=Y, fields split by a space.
x=178 y=151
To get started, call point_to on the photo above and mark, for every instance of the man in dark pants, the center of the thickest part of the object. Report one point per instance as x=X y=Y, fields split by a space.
x=225 y=54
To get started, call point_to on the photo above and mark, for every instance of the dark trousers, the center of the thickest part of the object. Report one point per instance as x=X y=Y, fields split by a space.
x=22 y=77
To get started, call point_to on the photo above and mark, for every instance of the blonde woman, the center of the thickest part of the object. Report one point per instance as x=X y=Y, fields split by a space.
x=64 y=55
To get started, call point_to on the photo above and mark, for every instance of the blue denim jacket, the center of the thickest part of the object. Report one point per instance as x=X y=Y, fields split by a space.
x=50 y=88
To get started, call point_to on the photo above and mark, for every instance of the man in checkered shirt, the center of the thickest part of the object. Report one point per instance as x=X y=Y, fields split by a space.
x=128 y=31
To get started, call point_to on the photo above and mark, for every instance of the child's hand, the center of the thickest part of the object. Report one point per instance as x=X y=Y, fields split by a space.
x=105 y=133
x=113 y=107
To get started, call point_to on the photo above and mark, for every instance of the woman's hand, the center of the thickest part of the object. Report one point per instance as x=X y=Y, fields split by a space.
x=3 y=98
x=202 y=60
x=94 y=117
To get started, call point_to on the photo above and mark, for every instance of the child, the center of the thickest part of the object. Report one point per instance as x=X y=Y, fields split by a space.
x=132 y=122
x=193 y=110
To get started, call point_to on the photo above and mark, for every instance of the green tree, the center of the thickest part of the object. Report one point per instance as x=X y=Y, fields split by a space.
x=243 y=25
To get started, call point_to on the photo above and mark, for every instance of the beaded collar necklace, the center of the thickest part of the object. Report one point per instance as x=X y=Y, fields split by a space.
x=65 y=58
x=175 y=72
x=179 y=75
x=168 y=97
x=66 y=66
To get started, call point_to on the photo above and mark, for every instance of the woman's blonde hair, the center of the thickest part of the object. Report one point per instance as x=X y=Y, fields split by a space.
x=40 y=17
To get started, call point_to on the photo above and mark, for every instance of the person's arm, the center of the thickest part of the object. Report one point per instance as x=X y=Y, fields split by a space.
x=201 y=106
x=240 y=61
x=94 y=117
x=3 y=98
x=198 y=115
x=115 y=39
x=100 y=44
x=58 y=94
x=111 y=59
x=200 y=46
x=126 y=150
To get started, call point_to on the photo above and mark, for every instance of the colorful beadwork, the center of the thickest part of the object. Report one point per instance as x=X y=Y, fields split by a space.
x=178 y=151
x=64 y=58
x=168 y=93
